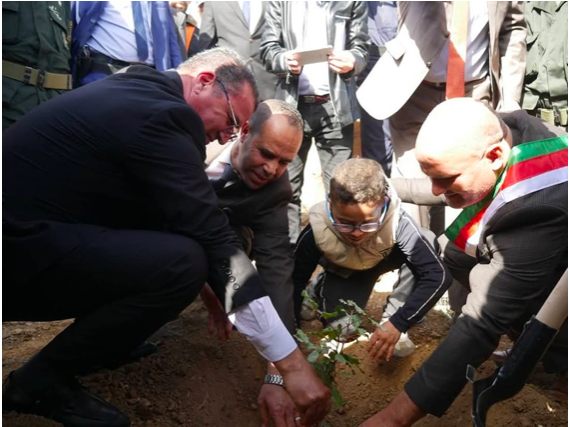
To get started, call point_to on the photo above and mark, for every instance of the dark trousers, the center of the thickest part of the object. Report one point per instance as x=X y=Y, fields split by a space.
x=376 y=141
x=334 y=144
x=328 y=288
x=375 y=134
x=121 y=286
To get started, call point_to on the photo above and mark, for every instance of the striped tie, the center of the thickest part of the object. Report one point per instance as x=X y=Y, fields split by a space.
x=457 y=50
x=140 y=31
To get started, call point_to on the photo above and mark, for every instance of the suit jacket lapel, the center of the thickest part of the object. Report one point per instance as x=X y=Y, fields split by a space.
x=234 y=193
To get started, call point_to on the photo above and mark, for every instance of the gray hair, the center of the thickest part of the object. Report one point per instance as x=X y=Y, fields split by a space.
x=229 y=67
x=358 y=181
x=274 y=106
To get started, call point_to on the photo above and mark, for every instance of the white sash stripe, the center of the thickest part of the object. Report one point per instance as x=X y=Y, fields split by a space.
x=515 y=191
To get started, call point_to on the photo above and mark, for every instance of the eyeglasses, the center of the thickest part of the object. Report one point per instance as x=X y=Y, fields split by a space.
x=368 y=227
x=233 y=130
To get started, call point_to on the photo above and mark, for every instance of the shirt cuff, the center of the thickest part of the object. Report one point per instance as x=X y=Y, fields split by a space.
x=259 y=322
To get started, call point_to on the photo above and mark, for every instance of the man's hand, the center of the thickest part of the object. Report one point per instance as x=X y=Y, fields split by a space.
x=217 y=316
x=401 y=412
x=311 y=397
x=383 y=341
x=275 y=404
x=293 y=66
x=342 y=62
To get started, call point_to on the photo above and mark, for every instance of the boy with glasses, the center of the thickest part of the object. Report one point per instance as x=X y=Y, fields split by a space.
x=359 y=233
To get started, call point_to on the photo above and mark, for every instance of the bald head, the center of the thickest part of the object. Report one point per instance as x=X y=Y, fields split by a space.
x=272 y=107
x=458 y=127
x=462 y=147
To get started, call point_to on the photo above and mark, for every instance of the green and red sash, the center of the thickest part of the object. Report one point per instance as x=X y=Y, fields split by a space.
x=531 y=167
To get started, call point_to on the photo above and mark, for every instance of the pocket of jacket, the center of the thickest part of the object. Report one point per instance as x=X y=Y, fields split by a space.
x=10 y=22
x=60 y=26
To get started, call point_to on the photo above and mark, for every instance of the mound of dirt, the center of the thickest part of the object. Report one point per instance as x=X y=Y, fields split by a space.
x=196 y=380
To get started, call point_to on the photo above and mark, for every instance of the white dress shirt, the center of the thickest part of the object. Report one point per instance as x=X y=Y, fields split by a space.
x=255 y=12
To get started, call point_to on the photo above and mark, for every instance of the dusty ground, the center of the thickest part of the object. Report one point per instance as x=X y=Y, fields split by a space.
x=195 y=380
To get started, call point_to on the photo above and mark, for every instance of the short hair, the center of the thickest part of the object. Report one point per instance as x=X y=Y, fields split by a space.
x=274 y=106
x=503 y=126
x=229 y=67
x=358 y=181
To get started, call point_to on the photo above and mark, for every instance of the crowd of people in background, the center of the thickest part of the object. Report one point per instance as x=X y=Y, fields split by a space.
x=445 y=99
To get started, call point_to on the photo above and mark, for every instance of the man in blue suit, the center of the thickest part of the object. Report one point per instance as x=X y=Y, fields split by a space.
x=110 y=35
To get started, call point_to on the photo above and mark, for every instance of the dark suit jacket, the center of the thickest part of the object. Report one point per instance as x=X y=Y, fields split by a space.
x=223 y=24
x=126 y=152
x=264 y=212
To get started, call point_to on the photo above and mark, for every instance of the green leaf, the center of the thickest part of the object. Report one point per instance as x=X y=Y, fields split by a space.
x=312 y=303
x=304 y=339
x=329 y=315
x=336 y=396
x=351 y=360
x=313 y=357
x=341 y=358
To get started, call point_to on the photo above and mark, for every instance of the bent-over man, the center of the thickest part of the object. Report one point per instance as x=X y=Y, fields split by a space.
x=110 y=219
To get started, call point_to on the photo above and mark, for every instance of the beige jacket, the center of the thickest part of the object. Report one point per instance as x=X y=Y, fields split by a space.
x=344 y=254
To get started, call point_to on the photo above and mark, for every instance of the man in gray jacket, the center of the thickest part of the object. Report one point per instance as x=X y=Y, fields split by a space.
x=324 y=92
x=239 y=26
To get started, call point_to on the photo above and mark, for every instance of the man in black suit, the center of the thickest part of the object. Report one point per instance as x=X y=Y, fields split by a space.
x=255 y=200
x=239 y=26
x=110 y=219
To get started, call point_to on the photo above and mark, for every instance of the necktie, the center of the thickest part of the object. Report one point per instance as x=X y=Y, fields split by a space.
x=139 y=31
x=228 y=175
x=247 y=12
x=457 y=50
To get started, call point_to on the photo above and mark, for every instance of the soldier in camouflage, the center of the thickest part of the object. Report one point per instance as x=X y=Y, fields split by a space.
x=35 y=55
x=545 y=85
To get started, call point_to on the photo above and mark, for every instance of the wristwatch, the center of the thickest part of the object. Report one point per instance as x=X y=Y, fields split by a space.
x=274 y=379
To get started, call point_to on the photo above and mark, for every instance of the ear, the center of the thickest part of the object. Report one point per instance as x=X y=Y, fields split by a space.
x=204 y=79
x=245 y=130
x=498 y=154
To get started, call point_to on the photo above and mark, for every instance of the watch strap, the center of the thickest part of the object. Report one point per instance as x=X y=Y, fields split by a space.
x=274 y=379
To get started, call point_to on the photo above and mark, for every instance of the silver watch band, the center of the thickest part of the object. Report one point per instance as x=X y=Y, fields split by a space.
x=274 y=379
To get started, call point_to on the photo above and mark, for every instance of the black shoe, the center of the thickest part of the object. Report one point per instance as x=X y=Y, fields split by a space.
x=68 y=403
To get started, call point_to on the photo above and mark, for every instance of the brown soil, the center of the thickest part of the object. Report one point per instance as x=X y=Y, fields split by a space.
x=195 y=380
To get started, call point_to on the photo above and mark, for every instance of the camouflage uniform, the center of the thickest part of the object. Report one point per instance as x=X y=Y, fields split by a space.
x=35 y=55
x=545 y=85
